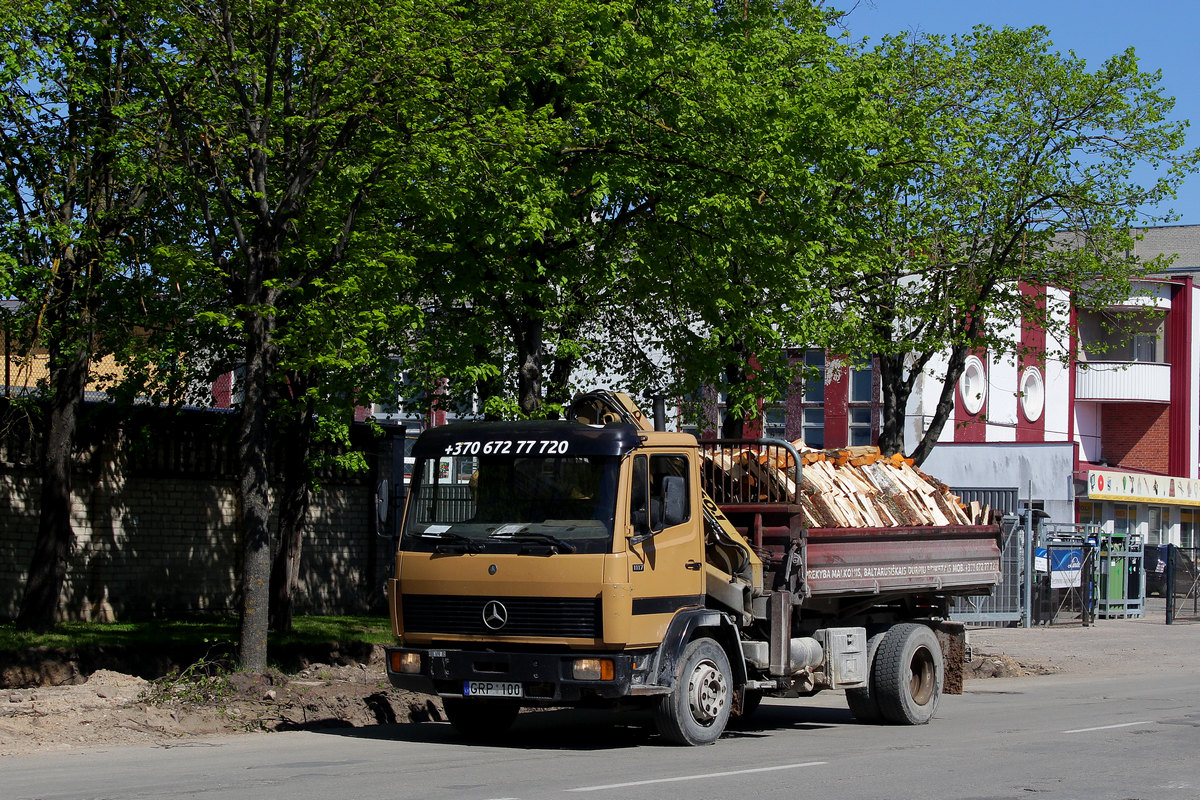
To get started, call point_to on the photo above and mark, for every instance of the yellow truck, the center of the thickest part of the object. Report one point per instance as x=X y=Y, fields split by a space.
x=583 y=563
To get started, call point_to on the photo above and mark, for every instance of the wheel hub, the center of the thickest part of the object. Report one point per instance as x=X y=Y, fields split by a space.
x=922 y=677
x=707 y=692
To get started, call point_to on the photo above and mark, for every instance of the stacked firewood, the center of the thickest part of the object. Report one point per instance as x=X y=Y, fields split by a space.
x=855 y=487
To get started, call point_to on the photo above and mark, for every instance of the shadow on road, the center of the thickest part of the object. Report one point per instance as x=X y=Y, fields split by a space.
x=589 y=729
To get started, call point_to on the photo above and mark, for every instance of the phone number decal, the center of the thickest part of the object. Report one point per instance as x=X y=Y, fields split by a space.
x=501 y=447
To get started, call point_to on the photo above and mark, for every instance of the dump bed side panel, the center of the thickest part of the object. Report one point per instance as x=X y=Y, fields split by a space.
x=873 y=560
x=959 y=559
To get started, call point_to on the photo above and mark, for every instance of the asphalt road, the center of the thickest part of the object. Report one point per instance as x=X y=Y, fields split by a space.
x=1060 y=736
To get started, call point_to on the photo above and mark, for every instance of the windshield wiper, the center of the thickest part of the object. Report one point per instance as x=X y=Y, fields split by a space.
x=558 y=545
x=469 y=545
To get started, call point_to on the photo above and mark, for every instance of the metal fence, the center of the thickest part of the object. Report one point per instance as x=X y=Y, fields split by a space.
x=1003 y=606
x=1065 y=583
x=1182 y=584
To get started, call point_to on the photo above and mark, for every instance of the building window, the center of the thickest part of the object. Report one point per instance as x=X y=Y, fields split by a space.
x=813 y=416
x=1187 y=528
x=814 y=382
x=973 y=385
x=775 y=422
x=1033 y=393
x=814 y=427
x=1091 y=513
x=1145 y=348
x=860 y=426
x=861 y=396
x=1157 y=520
x=862 y=383
x=1124 y=519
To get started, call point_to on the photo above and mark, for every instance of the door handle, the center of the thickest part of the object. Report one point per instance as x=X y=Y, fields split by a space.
x=693 y=565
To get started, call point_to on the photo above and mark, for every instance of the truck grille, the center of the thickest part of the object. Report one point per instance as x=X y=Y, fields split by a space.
x=568 y=617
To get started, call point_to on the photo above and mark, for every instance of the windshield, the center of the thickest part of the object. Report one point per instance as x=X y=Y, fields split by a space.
x=511 y=503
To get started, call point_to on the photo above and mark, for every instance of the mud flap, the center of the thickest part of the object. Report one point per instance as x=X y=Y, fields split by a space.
x=952 y=636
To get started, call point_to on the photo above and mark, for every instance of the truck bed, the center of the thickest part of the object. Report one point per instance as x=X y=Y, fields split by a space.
x=760 y=488
x=960 y=559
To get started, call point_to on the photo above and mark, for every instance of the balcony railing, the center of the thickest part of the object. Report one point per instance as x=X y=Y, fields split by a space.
x=1117 y=381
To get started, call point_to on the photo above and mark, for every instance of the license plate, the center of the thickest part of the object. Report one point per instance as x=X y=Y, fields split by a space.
x=492 y=689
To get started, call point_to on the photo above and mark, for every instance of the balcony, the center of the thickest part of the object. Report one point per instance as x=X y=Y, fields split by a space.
x=1123 y=381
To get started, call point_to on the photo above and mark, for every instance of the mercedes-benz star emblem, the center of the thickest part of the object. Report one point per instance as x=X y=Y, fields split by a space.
x=495 y=615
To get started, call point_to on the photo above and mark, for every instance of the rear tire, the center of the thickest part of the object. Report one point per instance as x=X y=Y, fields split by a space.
x=480 y=719
x=697 y=709
x=863 y=703
x=907 y=683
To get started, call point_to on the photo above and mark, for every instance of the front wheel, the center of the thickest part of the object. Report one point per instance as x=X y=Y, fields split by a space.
x=480 y=719
x=697 y=709
x=908 y=674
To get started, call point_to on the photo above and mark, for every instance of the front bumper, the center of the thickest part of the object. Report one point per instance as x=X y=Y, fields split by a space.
x=544 y=677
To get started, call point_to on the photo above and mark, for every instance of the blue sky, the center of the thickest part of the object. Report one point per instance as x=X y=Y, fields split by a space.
x=1164 y=34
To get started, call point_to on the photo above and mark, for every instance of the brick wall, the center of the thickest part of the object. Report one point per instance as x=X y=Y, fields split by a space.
x=1136 y=435
x=156 y=529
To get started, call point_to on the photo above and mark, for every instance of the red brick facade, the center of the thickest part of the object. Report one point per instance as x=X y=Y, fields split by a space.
x=1136 y=435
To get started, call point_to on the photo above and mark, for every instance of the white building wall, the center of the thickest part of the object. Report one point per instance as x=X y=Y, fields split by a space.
x=923 y=402
x=1002 y=394
x=1087 y=431
x=1057 y=376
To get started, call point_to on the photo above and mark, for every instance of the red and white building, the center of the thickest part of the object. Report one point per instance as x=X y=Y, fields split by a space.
x=1110 y=435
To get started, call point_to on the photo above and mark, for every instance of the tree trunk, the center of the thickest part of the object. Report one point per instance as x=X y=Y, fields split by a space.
x=894 y=393
x=733 y=426
x=294 y=504
x=253 y=446
x=530 y=354
x=945 y=406
x=55 y=537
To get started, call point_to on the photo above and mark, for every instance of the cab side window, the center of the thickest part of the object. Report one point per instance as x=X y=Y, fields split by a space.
x=661 y=492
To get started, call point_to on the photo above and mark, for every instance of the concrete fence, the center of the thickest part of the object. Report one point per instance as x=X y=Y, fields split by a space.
x=155 y=517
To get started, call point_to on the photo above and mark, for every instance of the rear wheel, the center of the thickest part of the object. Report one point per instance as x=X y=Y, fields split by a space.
x=697 y=709
x=863 y=703
x=908 y=674
x=480 y=719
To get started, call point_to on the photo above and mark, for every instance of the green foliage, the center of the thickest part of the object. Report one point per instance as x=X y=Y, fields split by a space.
x=204 y=681
x=1021 y=167
x=652 y=189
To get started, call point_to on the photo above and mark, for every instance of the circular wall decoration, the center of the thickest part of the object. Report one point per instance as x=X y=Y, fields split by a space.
x=1033 y=393
x=973 y=385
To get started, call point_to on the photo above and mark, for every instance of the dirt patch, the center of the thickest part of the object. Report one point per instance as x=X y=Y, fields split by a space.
x=115 y=708
x=1002 y=666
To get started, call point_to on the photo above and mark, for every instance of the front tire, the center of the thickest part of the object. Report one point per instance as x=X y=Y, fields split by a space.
x=908 y=674
x=697 y=709
x=480 y=719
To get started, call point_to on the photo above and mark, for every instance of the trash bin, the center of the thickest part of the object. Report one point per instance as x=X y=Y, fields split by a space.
x=1121 y=583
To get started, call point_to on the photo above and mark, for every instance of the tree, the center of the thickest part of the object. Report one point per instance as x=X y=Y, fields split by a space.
x=80 y=160
x=655 y=169
x=1024 y=170
x=291 y=117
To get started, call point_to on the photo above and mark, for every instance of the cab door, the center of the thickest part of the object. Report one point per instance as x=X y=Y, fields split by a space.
x=665 y=542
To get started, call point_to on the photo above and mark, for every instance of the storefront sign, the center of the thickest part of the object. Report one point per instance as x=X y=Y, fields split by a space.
x=1106 y=485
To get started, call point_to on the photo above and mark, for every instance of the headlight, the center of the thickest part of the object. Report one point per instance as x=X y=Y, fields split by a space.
x=409 y=663
x=592 y=669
